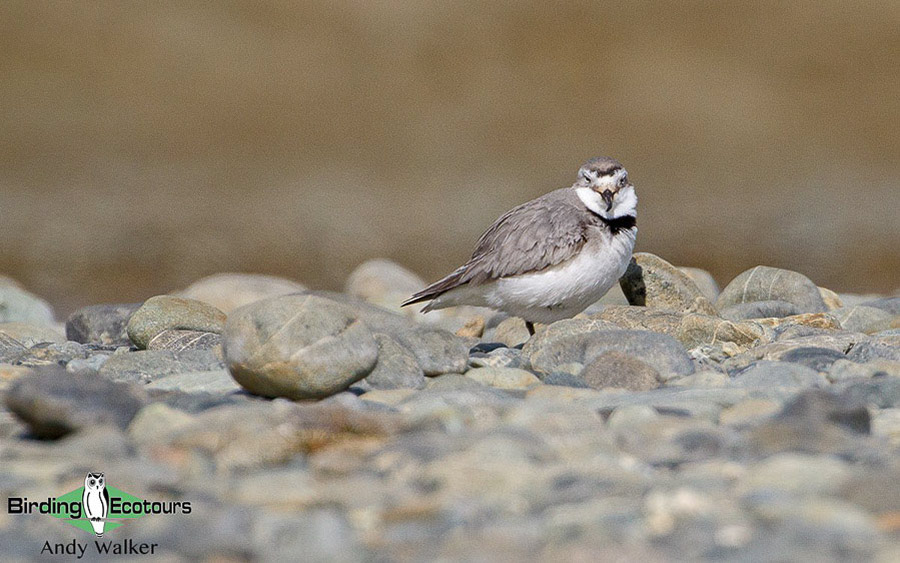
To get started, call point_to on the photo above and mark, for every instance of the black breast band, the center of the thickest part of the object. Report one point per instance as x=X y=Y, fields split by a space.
x=619 y=223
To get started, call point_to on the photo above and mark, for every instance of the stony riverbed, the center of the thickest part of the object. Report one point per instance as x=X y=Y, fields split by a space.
x=670 y=421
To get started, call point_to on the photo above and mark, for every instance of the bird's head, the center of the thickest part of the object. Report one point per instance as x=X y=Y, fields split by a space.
x=604 y=188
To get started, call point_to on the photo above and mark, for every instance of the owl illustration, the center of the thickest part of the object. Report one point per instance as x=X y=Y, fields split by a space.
x=95 y=501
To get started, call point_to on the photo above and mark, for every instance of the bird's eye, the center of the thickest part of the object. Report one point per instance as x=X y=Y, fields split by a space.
x=92 y=483
x=622 y=181
x=586 y=176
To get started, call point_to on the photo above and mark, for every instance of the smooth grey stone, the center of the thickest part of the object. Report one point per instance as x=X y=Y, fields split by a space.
x=320 y=534
x=759 y=310
x=838 y=341
x=790 y=332
x=165 y=312
x=374 y=279
x=764 y=283
x=553 y=348
x=48 y=354
x=378 y=319
x=564 y=379
x=502 y=357
x=768 y=374
x=213 y=381
x=851 y=299
x=196 y=402
x=690 y=329
x=706 y=378
x=53 y=402
x=615 y=370
x=811 y=528
x=704 y=281
x=29 y=334
x=10 y=349
x=229 y=290
x=882 y=392
x=178 y=340
x=818 y=359
x=844 y=370
x=397 y=367
x=437 y=400
x=511 y=332
x=867 y=488
x=385 y=283
x=863 y=318
x=889 y=304
x=453 y=382
x=680 y=401
x=149 y=365
x=504 y=378
x=437 y=351
x=298 y=346
x=87 y=366
x=93 y=442
x=881 y=347
x=709 y=356
x=101 y=324
x=650 y=281
x=226 y=529
x=627 y=417
x=485 y=348
x=817 y=407
x=569 y=327
x=19 y=305
x=251 y=434
x=352 y=399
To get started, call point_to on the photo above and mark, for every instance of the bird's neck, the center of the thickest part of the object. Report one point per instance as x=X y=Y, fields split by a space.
x=619 y=223
x=623 y=216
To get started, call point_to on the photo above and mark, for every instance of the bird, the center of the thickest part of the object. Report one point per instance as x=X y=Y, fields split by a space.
x=95 y=501
x=549 y=258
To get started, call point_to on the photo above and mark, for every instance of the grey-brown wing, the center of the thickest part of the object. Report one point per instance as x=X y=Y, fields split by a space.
x=535 y=235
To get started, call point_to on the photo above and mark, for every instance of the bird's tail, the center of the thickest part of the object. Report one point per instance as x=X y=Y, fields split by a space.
x=439 y=287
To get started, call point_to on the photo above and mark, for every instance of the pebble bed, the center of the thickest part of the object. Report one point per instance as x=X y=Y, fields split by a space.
x=669 y=421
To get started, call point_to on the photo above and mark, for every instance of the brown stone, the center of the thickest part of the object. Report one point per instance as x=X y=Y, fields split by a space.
x=620 y=371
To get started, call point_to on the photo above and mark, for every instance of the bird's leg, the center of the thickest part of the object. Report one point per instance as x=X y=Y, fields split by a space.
x=530 y=326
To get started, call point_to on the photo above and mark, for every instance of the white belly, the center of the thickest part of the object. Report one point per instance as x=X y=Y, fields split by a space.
x=556 y=293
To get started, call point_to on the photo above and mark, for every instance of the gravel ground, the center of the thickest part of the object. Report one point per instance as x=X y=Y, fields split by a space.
x=670 y=421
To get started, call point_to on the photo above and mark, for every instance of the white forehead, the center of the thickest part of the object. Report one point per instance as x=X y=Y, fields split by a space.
x=594 y=174
x=610 y=180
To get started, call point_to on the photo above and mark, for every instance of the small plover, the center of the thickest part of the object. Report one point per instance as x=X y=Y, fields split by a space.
x=552 y=257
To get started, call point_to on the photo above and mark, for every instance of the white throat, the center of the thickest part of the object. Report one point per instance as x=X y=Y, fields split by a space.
x=624 y=203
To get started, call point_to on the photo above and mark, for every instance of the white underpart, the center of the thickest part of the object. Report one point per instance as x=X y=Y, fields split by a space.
x=558 y=292
x=625 y=203
x=592 y=200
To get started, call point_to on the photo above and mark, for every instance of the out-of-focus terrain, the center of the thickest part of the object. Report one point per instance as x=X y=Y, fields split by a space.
x=143 y=145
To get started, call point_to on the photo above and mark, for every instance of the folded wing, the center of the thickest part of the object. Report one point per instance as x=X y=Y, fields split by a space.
x=533 y=236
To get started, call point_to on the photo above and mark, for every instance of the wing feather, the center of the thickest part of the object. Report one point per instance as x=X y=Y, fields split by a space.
x=535 y=235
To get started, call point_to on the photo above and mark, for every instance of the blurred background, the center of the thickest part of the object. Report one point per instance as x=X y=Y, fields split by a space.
x=146 y=144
